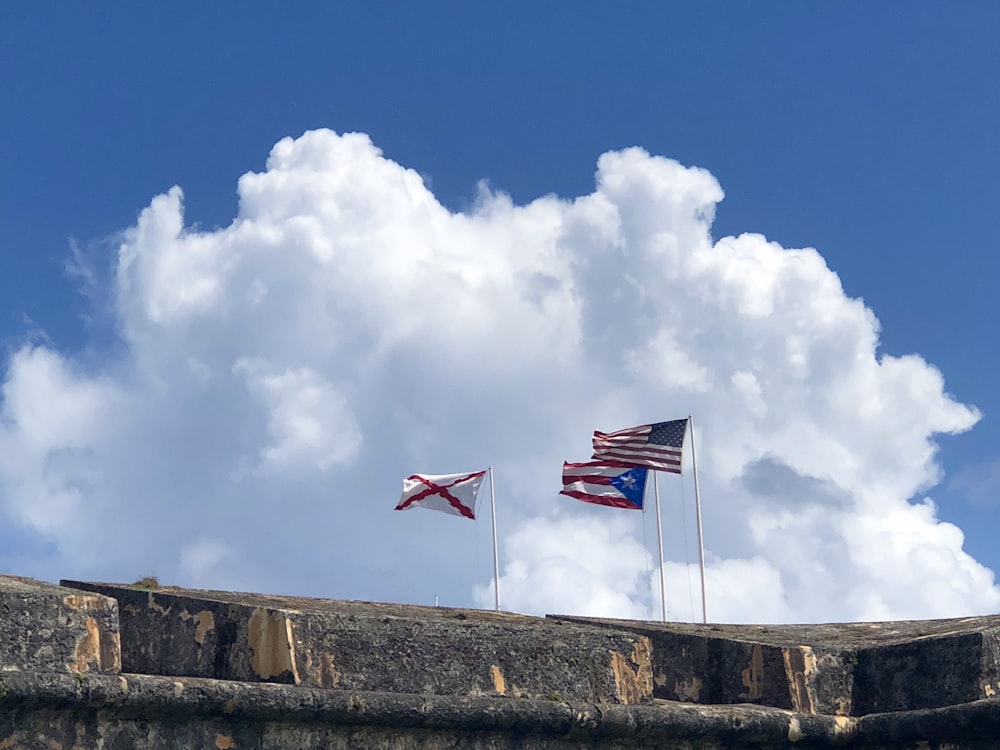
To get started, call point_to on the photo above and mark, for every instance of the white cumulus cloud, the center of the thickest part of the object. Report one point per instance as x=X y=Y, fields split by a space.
x=276 y=378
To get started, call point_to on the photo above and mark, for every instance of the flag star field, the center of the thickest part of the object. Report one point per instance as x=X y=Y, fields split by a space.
x=668 y=433
x=259 y=265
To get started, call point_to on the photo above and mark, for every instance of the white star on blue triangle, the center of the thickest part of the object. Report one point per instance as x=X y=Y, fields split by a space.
x=632 y=485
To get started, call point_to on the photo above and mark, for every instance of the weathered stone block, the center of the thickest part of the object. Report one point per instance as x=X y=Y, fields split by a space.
x=927 y=673
x=373 y=647
x=728 y=664
x=845 y=669
x=52 y=629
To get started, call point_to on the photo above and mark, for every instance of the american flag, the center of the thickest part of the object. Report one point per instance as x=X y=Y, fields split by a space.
x=655 y=446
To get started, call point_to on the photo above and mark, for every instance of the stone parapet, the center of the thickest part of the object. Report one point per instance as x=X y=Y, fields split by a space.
x=52 y=629
x=193 y=669
x=374 y=647
x=846 y=669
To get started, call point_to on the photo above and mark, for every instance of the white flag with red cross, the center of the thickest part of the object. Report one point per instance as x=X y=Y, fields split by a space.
x=449 y=493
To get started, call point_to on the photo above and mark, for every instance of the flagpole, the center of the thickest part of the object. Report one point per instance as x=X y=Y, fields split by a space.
x=496 y=557
x=701 y=541
x=659 y=537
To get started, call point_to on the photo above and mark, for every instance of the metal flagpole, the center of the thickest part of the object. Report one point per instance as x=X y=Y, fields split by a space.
x=659 y=537
x=496 y=558
x=701 y=541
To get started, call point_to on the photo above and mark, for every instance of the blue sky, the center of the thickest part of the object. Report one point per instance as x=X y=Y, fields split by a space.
x=863 y=130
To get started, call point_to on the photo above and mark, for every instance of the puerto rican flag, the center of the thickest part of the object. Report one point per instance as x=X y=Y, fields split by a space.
x=450 y=493
x=605 y=483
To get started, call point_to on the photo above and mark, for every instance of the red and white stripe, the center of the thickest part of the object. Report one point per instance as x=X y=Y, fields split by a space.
x=591 y=483
x=632 y=447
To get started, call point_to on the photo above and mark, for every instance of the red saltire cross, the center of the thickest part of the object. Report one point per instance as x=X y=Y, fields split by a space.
x=442 y=490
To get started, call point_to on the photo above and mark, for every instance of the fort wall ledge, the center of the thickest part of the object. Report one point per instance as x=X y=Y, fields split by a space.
x=93 y=665
x=148 y=711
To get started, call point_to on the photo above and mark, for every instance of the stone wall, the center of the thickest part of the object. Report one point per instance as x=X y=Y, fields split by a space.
x=88 y=665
